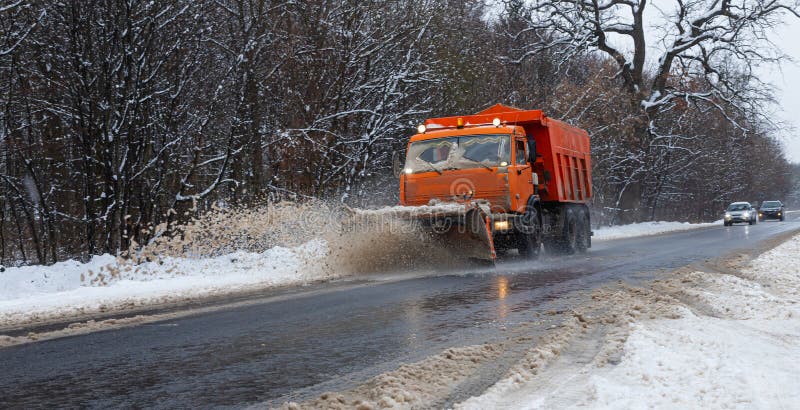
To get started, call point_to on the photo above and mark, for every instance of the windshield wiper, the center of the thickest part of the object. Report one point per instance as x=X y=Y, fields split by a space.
x=432 y=166
x=478 y=162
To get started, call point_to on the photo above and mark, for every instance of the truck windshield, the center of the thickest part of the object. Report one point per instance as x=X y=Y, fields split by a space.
x=468 y=151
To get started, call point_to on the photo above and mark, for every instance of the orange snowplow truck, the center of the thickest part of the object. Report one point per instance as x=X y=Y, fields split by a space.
x=501 y=179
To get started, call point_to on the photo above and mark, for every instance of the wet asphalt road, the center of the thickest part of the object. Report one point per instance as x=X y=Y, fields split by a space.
x=333 y=335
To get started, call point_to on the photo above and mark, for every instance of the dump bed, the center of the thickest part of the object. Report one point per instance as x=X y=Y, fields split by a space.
x=563 y=162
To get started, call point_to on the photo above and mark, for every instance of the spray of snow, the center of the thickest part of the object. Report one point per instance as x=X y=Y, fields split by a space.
x=223 y=251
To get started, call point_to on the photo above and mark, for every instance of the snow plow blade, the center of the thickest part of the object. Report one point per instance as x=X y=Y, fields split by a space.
x=463 y=230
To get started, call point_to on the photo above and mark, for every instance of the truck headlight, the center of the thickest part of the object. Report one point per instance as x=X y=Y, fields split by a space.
x=501 y=225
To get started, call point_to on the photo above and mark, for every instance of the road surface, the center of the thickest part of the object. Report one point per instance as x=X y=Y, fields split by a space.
x=330 y=337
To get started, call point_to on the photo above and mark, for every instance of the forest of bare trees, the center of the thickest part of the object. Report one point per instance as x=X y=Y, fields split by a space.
x=118 y=115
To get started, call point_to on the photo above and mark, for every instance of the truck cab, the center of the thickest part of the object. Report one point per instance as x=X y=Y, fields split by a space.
x=457 y=165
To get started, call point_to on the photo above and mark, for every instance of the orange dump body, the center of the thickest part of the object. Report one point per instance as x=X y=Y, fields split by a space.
x=562 y=167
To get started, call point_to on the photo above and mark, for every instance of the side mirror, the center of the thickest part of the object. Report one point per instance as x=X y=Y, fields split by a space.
x=397 y=164
x=532 y=151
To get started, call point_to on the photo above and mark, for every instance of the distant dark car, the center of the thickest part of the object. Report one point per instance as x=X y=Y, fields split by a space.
x=772 y=210
x=740 y=212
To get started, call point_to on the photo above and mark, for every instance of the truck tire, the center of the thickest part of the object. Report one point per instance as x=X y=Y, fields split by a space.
x=569 y=239
x=584 y=231
x=529 y=238
x=528 y=247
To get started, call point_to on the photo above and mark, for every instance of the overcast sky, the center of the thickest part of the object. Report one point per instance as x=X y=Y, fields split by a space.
x=785 y=77
x=787 y=80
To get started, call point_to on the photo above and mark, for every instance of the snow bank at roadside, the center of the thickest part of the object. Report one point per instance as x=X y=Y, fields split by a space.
x=732 y=346
x=733 y=355
x=104 y=283
x=780 y=269
x=704 y=362
x=645 y=229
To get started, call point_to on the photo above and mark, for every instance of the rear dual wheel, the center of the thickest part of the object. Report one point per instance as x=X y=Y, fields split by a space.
x=575 y=234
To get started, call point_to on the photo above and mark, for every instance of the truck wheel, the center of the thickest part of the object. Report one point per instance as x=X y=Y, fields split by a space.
x=528 y=247
x=529 y=238
x=584 y=229
x=569 y=241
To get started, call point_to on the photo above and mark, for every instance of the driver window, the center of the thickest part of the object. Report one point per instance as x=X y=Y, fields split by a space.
x=520 y=153
x=436 y=153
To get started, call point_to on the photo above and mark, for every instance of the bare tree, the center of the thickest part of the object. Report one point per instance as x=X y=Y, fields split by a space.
x=119 y=118
x=696 y=37
x=709 y=50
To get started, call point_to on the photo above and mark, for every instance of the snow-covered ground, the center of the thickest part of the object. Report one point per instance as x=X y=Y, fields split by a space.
x=645 y=229
x=68 y=288
x=733 y=343
x=704 y=362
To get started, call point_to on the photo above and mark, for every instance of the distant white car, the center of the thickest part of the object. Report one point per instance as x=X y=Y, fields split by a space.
x=740 y=212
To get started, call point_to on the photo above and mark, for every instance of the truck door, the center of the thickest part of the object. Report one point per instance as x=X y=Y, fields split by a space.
x=520 y=176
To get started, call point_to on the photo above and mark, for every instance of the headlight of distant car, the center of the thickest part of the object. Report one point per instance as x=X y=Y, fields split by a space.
x=727 y=215
x=746 y=214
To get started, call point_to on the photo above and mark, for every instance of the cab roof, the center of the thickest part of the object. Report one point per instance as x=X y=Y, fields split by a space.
x=505 y=113
x=475 y=130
